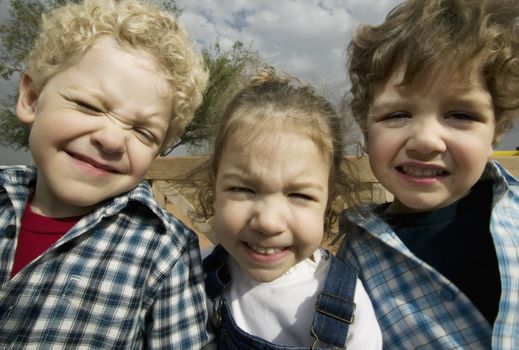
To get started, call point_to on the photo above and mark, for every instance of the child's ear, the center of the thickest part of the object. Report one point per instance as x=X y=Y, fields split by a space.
x=491 y=150
x=27 y=100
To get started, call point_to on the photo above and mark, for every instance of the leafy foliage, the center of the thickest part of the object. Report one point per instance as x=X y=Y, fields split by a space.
x=17 y=35
x=227 y=70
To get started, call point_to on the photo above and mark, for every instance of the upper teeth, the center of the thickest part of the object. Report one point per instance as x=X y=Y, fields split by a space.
x=421 y=172
x=263 y=250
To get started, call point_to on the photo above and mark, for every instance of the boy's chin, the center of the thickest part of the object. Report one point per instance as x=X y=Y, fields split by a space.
x=409 y=207
x=77 y=201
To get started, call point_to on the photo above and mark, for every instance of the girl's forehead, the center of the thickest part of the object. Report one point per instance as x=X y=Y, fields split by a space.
x=250 y=129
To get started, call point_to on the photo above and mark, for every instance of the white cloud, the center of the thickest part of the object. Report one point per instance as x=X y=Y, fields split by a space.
x=306 y=38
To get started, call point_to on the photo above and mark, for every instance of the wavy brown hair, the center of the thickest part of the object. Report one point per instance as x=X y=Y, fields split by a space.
x=422 y=34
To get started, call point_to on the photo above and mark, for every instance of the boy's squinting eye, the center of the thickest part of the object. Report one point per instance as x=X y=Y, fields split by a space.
x=88 y=108
x=461 y=116
x=146 y=136
x=396 y=116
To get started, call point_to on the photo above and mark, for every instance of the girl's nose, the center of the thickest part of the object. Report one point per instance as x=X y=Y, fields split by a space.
x=268 y=217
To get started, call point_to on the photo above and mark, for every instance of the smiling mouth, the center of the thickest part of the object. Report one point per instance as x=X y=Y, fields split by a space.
x=92 y=163
x=422 y=172
x=263 y=250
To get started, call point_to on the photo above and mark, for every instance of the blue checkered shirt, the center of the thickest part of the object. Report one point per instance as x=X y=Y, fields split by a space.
x=126 y=276
x=417 y=307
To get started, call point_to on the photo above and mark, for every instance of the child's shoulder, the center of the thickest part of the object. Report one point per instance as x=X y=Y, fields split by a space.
x=143 y=225
x=496 y=172
x=17 y=173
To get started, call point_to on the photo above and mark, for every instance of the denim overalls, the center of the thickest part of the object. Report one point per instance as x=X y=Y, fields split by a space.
x=334 y=309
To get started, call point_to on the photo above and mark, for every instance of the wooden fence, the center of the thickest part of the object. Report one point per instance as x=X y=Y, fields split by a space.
x=174 y=190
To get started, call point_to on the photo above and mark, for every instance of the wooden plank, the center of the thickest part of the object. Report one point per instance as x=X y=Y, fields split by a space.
x=171 y=168
x=176 y=168
x=157 y=193
x=202 y=237
x=360 y=168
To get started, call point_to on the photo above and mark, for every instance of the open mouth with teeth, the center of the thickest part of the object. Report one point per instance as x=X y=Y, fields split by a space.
x=264 y=250
x=422 y=172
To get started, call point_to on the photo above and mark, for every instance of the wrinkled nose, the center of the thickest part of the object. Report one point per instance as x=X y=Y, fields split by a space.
x=110 y=140
x=268 y=217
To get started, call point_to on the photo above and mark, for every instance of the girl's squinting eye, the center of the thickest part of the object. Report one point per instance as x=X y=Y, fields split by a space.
x=239 y=189
x=240 y=193
x=302 y=197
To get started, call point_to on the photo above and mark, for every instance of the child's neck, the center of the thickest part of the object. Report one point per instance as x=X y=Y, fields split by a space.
x=46 y=203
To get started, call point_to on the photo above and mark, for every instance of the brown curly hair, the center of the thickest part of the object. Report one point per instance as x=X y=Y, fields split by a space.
x=421 y=34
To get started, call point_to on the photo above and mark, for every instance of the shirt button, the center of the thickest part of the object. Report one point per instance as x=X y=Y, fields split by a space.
x=447 y=294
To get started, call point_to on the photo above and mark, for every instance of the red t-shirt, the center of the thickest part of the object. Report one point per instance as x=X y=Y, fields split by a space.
x=37 y=234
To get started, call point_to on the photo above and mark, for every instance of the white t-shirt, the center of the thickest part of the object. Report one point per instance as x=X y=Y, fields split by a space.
x=282 y=311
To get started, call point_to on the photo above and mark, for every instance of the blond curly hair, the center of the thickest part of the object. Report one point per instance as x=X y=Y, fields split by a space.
x=67 y=32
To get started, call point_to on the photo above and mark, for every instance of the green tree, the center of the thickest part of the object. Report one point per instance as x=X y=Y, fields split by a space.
x=227 y=71
x=17 y=33
x=16 y=37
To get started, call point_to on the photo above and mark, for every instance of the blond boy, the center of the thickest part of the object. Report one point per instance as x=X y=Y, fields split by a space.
x=88 y=259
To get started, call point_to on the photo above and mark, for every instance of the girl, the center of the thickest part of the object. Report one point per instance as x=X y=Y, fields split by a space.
x=273 y=176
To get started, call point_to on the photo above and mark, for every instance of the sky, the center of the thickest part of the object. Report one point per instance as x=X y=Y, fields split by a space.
x=306 y=38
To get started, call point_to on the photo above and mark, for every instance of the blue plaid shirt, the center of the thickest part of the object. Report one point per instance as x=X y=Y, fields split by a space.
x=126 y=276
x=417 y=307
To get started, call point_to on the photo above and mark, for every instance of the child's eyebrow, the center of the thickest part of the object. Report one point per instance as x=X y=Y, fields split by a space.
x=248 y=178
x=462 y=98
x=306 y=185
x=386 y=104
x=470 y=100
x=98 y=95
x=233 y=175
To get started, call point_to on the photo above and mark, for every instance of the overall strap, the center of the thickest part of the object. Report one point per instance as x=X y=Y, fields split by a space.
x=335 y=306
x=217 y=275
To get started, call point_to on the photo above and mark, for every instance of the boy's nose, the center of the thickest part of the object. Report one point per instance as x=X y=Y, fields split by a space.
x=426 y=138
x=268 y=218
x=109 y=140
